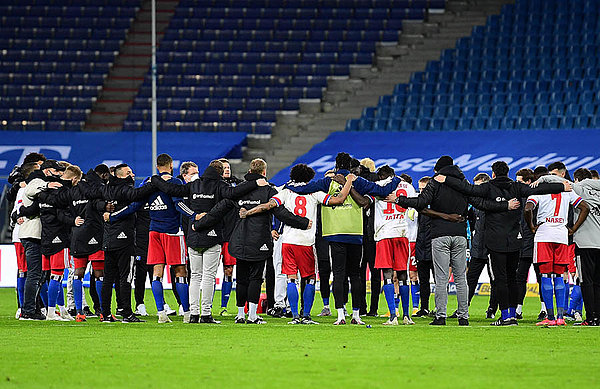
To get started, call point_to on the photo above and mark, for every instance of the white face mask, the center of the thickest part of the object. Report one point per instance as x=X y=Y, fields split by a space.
x=194 y=177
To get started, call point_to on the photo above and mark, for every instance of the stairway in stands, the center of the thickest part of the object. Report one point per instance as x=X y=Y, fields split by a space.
x=127 y=74
x=421 y=41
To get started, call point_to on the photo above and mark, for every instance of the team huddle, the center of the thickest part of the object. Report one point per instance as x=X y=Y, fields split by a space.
x=354 y=218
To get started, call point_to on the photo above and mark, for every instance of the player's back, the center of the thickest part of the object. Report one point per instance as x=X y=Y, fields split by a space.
x=553 y=215
x=164 y=217
x=390 y=218
x=300 y=205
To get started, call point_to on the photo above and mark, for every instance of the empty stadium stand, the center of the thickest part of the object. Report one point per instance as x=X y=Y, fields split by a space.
x=55 y=57
x=534 y=66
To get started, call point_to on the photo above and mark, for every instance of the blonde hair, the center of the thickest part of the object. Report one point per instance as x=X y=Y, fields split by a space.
x=368 y=163
x=73 y=171
x=258 y=166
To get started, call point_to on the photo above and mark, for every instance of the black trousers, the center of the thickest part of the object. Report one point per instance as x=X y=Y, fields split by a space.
x=589 y=259
x=368 y=258
x=270 y=283
x=118 y=269
x=476 y=266
x=324 y=263
x=249 y=279
x=504 y=273
x=142 y=269
x=424 y=270
x=94 y=293
x=522 y=274
x=345 y=263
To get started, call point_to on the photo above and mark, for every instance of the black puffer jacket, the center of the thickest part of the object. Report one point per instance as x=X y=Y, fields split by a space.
x=251 y=238
x=423 y=243
x=477 y=223
x=442 y=198
x=56 y=222
x=121 y=192
x=502 y=229
x=203 y=194
x=526 y=234
x=231 y=218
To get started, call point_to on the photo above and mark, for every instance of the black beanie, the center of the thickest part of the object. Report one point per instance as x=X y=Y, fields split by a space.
x=445 y=160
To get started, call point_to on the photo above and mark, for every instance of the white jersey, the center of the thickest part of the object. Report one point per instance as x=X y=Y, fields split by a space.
x=301 y=205
x=18 y=203
x=413 y=224
x=390 y=218
x=553 y=215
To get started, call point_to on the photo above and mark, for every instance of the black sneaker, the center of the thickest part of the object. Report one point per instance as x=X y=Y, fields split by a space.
x=372 y=314
x=519 y=316
x=133 y=319
x=504 y=322
x=295 y=320
x=422 y=313
x=596 y=322
x=438 y=321
x=258 y=320
x=208 y=319
x=490 y=314
x=88 y=312
x=308 y=320
x=32 y=316
x=463 y=322
x=586 y=323
x=240 y=320
x=513 y=322
x=108 y=319
x=276 y=312
x=454 y=315
x=543 y=315
x=72 y=312
x=194 y=319
x=119 y=312
x=288 y=314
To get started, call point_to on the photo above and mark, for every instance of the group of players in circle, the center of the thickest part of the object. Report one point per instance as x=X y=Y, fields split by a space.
x=355 y=217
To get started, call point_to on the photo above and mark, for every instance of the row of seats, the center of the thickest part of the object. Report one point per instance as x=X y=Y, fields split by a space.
x=50 y=90
x=65 y=22
x=250 y=127
x=51 y=78
x=217 y=103
x=458 y=88
x=61 y=44
x=450 y=124
x=291 y=24
x=58 y=56
x=80 y=3
x=54 y=67
x=266 y=58
x=44 y=114
x=267 y=47
x=590 y=96
x=235 y=92
x=229 y=116
x=62 y=33
x=315 y=4
x=67 y=11
x=238 y=81
x=47 y=125
x=287 y=35
x=254 y=69
x=47 y=102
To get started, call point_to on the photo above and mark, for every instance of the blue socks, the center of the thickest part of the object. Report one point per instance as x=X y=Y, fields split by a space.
x=226 y=291
x=44 y=293
x=512 y=312
x=99 y=282
x=505 y=314
x=559 y=291
x=576 y=299
x=53 y=291
x=547 y=294
x=309 y=296
x=77 y=292
x=405 y=296
x=60 y=300
x=415 y=291
x=183 y=289
x=388 y=291
x=21 y=288
x=157 y=291
x=326 y=301
x=292 y=295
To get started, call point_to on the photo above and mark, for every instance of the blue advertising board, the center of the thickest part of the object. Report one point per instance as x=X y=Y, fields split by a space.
x=415 y=153
x=134 y=148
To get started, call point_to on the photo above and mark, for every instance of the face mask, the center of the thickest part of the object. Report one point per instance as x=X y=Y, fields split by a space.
x=130 y=180
x=194 y=177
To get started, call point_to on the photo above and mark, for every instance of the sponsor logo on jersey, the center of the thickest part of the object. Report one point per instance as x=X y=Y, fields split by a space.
x=158 y=205
x=79 y=202
x=212 y=233
x=93 y=241
x=122 y=236
x=56 y=240
x=557 y=220
x=248 y=202
x=264 y=247
x=202 y=196
x=44 y=205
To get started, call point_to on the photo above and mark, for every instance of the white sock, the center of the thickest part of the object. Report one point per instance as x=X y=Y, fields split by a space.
x=355 y=314
x=340 y=312
x=519 y=309
x=543 y=306
x=241 y=312
x=326 y=306
x=252 y=307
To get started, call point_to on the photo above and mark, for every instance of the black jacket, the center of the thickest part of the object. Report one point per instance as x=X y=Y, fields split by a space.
x=203 y=194
x=477 y=223
x=526 y=234
x=423 y=242
x=56 y=221
x=443 y=198
x=251 y=238
x=121 y=192
x=502 y=229
x=231 y=218
x=142 y=231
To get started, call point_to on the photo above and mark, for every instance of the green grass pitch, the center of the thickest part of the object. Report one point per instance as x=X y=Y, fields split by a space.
x=148 y=355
